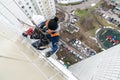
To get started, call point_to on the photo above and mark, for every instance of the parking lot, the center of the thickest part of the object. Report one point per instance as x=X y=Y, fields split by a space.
x=110 y=16
x=74 y=51
x=82 y=48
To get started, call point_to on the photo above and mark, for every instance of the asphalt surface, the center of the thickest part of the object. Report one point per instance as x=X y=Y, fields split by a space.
x=83 y=5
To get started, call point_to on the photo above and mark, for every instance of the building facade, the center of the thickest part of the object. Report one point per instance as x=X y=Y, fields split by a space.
x=12 y=10
x=45 y=8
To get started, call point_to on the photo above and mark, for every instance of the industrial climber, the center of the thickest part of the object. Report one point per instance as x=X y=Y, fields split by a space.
x=51 y=36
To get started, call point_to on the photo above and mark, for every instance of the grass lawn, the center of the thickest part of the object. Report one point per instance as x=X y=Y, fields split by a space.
x=93 y=31
x=81 y=12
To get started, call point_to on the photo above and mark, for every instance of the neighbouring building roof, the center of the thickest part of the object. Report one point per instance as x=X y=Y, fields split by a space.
x=103 y=66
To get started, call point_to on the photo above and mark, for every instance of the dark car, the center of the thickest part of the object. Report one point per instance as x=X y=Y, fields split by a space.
x=119 y=16
x=117 y=22
x=118 y=25
x=73 y=41
x=92 y=53
x=100 y=14
x=111 y=19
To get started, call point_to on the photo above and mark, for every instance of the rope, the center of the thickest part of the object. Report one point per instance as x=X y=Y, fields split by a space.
x=40 y=30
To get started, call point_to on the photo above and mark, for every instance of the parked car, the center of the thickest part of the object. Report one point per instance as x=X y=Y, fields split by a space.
x=118 y=25
x=72 y=12
x=79 y=42
x=111 y=19
x=103 y=15
x=73 y=21
x=119 y=16
x=110 y=11
x=106 y=17
x=100 y=14
x=78 y=46
x=80 y=57
x=76 y=41
x=92 y=53
x=73 y=41
x=74 y=53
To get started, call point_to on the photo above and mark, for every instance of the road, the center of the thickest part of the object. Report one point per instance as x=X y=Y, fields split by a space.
x=83 y=5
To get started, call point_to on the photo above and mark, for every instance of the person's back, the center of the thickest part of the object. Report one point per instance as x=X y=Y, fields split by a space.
x=53 y=35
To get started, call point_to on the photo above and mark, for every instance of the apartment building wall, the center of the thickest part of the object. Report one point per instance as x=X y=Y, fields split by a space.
x=47 y=8
x=12 y=10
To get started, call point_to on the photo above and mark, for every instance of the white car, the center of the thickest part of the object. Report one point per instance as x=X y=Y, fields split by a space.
x=80 y=57
x=79 y=42
x=103 y=15
x=76 y=42
x=106 y=17
x=74 y=52
x=78 y=46
x=72 y=12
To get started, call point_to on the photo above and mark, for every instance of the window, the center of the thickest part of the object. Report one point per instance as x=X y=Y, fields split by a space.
x=41 y=6
x=33 y=4
x=45 y=2
x=23 y=7
x=30 y=17
x=27 y=3
x=31 y=10
x=27 y=14
x=25 y=10
x=20 y=2
x=30 y=7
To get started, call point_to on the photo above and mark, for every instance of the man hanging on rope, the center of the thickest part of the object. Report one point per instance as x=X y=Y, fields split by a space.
x=52 y=35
